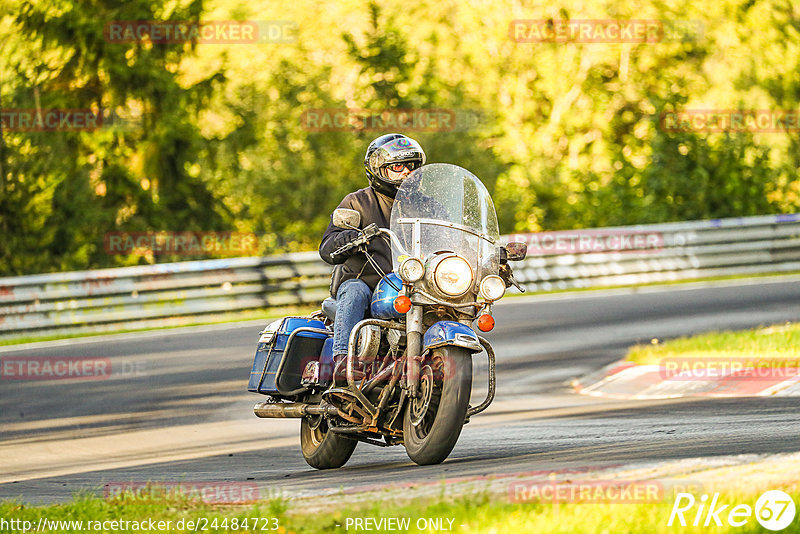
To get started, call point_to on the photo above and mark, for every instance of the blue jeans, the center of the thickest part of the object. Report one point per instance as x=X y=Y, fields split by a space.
x=352 y=302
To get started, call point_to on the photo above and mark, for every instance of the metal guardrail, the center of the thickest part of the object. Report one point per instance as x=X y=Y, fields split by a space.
x=687 y=250
x=158 y=295
x=184 y=292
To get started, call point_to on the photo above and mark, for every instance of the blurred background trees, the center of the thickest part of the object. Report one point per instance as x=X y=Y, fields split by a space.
x=212 y=136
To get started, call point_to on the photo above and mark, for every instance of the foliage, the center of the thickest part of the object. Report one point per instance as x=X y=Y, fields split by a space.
x=215 y=136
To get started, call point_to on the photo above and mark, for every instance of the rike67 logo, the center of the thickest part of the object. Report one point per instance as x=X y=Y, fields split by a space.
x=774 y=510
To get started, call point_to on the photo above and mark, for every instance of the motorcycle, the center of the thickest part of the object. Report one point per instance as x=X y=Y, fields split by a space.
x=407 y=377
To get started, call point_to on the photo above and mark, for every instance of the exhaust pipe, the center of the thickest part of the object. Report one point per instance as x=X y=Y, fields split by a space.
x=288 y=410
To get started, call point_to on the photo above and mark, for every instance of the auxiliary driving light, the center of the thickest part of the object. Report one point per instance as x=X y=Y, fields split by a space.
x=402 y=304
x=411 y=270
x=485 y=323
x=493 y=287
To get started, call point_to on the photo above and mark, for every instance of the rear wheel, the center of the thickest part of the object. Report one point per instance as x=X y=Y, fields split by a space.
x=432 y=422
x=323 y=449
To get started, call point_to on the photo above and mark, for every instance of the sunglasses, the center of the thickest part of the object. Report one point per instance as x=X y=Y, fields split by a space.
x=398 y=167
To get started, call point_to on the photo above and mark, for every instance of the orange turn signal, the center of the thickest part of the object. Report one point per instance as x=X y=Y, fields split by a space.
x=402 y=304
x=485 y=323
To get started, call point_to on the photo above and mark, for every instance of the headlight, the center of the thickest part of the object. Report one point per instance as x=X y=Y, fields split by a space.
x=453 y=276
x=411 y=270
x=492 y=287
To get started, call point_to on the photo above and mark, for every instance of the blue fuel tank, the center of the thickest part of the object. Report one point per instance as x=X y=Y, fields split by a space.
x=382 y=305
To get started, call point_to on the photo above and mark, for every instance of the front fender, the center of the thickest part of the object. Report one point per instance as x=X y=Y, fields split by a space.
x=453 y=334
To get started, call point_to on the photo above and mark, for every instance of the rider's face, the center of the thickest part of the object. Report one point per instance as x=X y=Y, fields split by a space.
x=394 y=174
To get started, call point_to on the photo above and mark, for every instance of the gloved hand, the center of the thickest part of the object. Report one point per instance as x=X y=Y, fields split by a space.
x=344 y=237
x=351 y=245
x=341 y=239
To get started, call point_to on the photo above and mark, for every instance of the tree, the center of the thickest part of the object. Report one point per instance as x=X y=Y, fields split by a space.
x=63 y=190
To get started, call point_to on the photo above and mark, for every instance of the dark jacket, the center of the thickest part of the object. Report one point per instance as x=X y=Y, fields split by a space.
x=374 y=208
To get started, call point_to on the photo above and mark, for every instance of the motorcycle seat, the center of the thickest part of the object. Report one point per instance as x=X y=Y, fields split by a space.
x=329 y=308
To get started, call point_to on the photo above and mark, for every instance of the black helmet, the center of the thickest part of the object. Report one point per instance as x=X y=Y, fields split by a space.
x=387 y=150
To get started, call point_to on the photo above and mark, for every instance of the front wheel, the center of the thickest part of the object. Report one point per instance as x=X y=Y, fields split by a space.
x=432 y=422
x=323 y=449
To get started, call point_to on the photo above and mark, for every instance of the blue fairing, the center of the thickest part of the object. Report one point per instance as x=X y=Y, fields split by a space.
x=451 y=333
x=382 y=306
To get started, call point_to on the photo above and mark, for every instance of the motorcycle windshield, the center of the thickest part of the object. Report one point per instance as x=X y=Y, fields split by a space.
x=442 y=207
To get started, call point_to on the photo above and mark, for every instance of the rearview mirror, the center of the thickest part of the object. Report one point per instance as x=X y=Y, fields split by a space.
x=517 y=250
x=346 y=218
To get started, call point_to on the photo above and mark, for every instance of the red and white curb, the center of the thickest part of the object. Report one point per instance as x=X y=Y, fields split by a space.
x=627 y=380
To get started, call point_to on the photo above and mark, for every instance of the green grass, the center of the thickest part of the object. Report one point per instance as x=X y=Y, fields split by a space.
x=476 y=513
x=773 y=342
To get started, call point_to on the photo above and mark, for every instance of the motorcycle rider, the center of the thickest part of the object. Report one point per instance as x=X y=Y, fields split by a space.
x=388 y=161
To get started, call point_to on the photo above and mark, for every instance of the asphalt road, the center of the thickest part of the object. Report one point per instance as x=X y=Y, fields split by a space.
x=175 y=407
